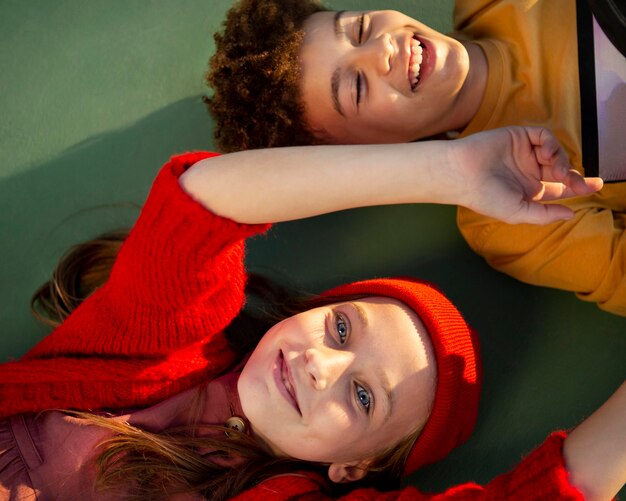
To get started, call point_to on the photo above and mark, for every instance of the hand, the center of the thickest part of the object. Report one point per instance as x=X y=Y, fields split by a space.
x=508 y=172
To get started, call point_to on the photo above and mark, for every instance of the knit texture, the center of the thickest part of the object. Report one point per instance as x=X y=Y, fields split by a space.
x=455 y=408
x=155 y=328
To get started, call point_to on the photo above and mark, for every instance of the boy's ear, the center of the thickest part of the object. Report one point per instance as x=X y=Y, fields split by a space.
x=342 y=473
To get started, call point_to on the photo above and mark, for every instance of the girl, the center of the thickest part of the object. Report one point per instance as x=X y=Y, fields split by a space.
x=367 y=383
x=383 y=77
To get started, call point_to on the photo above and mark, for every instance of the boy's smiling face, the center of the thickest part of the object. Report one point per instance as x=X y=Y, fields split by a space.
x=340 y=383
x=379 y=77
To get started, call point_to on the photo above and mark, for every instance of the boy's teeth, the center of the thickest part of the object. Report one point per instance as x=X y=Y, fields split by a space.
x=416 y=46
x=417 y=57
x=416 y=61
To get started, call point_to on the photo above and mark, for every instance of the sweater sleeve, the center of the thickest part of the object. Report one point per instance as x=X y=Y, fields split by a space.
x=155 y=328
x=178 y=278
x=541 y=475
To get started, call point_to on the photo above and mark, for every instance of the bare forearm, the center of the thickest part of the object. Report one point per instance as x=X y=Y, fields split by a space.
x=283 y=184
x=502 y=173
x=595 y=452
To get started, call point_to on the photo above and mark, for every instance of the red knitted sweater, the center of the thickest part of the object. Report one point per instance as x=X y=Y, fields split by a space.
x=155 y=328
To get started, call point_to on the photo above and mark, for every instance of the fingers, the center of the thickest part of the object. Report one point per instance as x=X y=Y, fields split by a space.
x=576 y=183
x=552 y=158
x=583 y=185
x=557 y=168
x=570 y=188
x=548 y=150
x=594 y=184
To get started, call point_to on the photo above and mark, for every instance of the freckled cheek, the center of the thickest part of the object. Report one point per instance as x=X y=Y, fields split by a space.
x=311 y=333
x=300 y=331
x=333 y=419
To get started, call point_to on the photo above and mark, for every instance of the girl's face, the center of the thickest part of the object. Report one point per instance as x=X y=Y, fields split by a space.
x=379 y=77
x=340 y=383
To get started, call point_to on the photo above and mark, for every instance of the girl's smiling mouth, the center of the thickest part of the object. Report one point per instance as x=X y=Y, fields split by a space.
x=284 y=381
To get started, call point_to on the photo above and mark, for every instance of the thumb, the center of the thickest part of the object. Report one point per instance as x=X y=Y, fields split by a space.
x=537 y=213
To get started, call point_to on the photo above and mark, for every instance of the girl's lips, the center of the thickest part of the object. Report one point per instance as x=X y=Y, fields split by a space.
x=284 y=381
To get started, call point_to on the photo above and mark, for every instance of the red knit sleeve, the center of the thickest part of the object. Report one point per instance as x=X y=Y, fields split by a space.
x=541 y=475
x=178 y=278
x=155 y=328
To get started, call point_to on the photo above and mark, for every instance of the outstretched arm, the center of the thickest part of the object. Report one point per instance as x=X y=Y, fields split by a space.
x=595 y=452
x=503 y=173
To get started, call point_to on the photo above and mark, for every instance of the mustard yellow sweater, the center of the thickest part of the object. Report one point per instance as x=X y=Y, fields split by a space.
x=531 y=48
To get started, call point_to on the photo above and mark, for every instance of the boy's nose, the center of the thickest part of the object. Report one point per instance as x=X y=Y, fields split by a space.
x=377 y=53
x=324 y=367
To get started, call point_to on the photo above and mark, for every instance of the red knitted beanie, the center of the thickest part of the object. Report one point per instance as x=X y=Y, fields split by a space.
x=455 y=408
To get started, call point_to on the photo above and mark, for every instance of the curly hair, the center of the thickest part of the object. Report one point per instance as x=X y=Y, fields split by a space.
x=255 y=75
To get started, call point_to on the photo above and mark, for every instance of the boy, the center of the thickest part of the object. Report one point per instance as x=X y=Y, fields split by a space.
x=381 y=76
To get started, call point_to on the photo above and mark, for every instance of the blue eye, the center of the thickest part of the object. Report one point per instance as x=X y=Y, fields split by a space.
x=364 y=397
x=342 y=328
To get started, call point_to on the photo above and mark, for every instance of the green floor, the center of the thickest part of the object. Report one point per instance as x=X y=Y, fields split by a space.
x=95 y=96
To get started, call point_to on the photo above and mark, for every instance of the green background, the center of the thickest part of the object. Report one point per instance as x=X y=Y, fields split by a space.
x=96 y=95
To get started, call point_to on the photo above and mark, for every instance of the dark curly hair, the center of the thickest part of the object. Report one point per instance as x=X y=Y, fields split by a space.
x=255 y=75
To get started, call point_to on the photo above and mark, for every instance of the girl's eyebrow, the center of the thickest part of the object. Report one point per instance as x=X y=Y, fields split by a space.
x=362 y=314
x=387 y=401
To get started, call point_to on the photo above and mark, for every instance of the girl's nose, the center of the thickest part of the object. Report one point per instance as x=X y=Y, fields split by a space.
x=377 y=53
x=323 y=368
